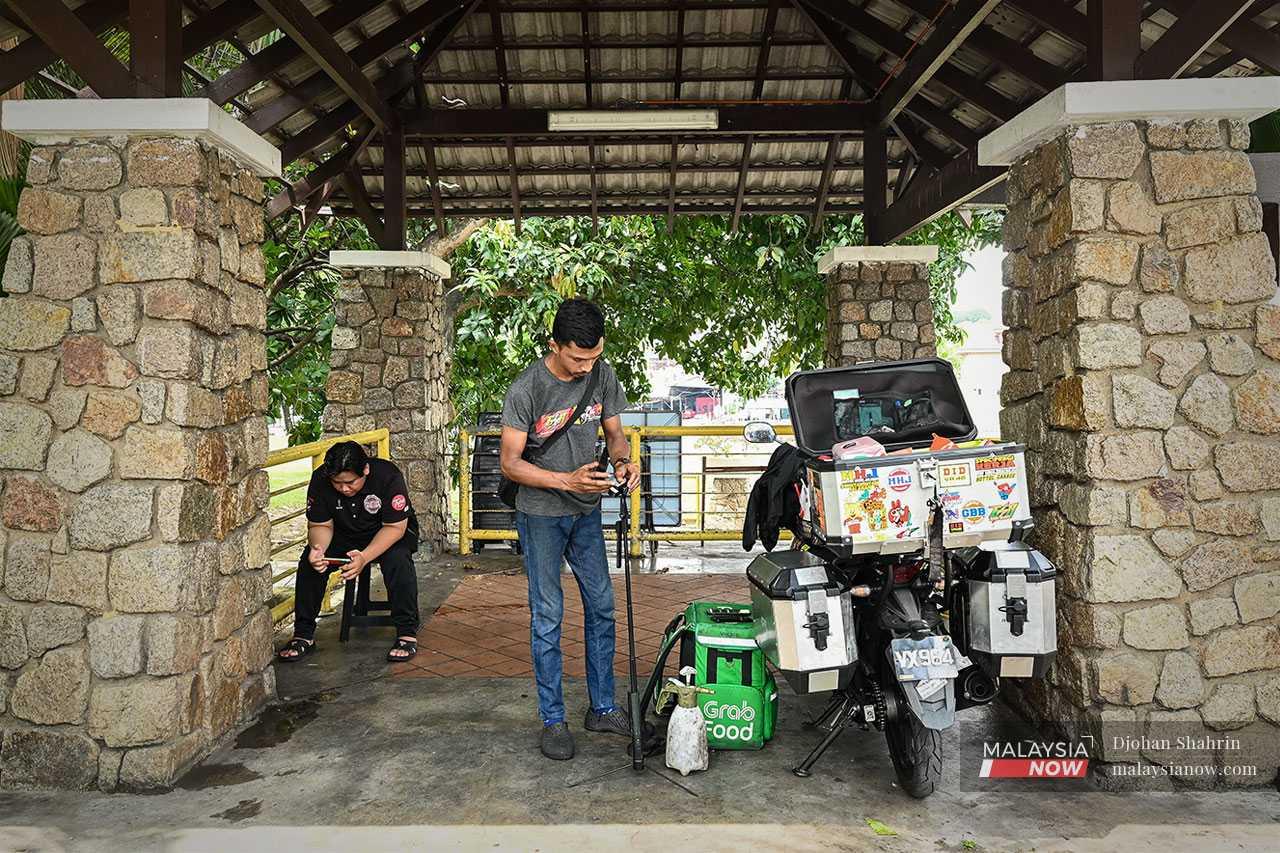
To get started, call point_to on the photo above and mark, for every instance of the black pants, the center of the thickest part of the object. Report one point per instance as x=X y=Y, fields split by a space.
x=398 y=574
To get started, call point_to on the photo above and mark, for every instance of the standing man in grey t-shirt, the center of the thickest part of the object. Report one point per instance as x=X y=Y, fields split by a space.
x=558 y=511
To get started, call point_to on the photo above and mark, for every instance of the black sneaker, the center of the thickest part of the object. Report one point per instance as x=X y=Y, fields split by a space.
x=557 y=742
x=615 y=722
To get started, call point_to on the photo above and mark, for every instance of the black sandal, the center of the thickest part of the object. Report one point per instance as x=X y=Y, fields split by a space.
x=300 y=648
x=410 y=646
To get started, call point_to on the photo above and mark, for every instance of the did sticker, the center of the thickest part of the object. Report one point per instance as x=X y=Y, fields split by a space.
x=372 y=504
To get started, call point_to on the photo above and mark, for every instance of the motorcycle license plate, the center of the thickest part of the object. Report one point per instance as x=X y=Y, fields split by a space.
x=920 y=660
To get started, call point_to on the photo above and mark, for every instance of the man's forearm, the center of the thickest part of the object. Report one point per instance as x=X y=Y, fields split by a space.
x=527 y=474
x=619 y=447
x=387 y=536
x=319 y=536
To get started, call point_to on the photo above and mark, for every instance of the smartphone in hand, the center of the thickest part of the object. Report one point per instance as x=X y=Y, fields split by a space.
x=337 y=561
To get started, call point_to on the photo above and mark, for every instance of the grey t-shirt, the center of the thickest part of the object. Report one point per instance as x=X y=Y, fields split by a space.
x=538 y=403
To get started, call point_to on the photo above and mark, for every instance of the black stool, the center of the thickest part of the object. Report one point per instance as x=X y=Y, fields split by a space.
x=356 y=606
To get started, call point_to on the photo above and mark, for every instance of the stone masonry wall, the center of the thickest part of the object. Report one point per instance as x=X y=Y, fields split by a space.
x=134 y=631
x=1144 y=355
x=878 y=312
x=390 y=368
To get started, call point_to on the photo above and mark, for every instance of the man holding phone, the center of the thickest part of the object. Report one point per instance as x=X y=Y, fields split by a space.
x=358 y=512
x=550 y=419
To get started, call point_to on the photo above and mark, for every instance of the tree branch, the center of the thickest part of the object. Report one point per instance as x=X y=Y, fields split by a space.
x=294 y=350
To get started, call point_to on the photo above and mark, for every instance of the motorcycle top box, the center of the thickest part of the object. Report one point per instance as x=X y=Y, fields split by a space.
x=882 y=504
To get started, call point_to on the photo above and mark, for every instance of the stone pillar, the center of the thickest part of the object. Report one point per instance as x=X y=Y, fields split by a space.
x=134 y=629
x=878 y=303
x=1143 y=343
x=390 y=368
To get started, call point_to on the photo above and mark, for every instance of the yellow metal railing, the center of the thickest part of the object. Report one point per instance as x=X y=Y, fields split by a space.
x=468 y=534
x=315 y=451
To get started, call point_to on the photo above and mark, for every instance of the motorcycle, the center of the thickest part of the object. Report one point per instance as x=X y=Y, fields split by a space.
x=899 y=596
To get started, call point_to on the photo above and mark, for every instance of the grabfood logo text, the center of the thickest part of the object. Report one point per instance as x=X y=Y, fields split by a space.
x=729 y=722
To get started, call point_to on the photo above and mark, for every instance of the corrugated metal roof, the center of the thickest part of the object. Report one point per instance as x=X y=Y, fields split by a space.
x=634 y=57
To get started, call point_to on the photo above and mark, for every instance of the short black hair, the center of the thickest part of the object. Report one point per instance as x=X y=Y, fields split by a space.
x=345 y=456
x=578 y=321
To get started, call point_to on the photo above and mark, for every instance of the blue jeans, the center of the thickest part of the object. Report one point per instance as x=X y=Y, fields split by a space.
x=547 y=542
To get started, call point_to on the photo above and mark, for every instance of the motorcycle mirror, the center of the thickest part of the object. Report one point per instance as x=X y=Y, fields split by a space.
x=759 y=432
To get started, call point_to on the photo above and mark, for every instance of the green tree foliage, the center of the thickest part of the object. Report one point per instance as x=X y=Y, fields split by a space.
x=741 y=309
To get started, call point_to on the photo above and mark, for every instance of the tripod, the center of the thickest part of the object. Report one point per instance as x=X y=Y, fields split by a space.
x=637 y=748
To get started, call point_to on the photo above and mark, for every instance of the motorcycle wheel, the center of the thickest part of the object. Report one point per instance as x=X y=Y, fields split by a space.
x=916 y=753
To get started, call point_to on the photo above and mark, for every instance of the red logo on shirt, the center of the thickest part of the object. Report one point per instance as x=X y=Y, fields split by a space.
x=398 y=503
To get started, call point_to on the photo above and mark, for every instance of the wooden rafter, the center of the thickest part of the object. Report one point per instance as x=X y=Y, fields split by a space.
x=32 y=54
x=929 y=58
x=1189 y=37
x=958 y=81
x=278 y=54
x=298 y=192
x=60 y=29
x=824 y=183
x=585 y=19
x=293 y=18
x=391 y=86
x=353 y=183
x=433 y=185
x=757 y=90
x=367 y=51
x=956 y=183
x=1057 y=16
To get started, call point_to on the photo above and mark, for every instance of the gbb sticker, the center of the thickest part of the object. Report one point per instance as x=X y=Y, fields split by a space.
x=973 y=512
x=900 y=480
x=954 y=475
x=372 y=503
x=398 y=503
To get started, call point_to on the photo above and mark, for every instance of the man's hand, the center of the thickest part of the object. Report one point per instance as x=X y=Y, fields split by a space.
x=628 y=473
x=588 y=480
x=315 y=556
x=352 y=570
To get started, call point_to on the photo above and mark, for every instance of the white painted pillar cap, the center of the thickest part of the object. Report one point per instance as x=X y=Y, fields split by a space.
x=842 y=255
x=380 y=259
x=60 y=121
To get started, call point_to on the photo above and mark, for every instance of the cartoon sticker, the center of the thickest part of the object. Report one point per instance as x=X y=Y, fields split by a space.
x=955 y=527
x=900 y=480
x=372 y=503
x=1005 y=490
x=899 y=514
x=957 y=474
x=398 y=503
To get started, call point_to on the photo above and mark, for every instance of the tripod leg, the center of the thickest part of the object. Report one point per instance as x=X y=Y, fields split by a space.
x=837 y=727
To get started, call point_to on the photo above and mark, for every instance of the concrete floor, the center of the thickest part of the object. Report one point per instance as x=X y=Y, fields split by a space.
x=355 y=760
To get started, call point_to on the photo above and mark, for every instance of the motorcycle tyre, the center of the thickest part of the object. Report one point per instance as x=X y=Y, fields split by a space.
x=916 y=753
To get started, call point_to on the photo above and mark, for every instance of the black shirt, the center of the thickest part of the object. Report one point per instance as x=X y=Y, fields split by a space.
x=384 y=499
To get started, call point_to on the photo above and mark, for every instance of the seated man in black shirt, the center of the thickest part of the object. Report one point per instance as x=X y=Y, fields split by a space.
x=358 y=512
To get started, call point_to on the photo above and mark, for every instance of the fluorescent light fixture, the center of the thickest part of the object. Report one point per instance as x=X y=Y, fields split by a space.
x=607 y=120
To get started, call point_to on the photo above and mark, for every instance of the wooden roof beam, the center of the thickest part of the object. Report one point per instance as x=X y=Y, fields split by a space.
x=294 y=20
x=824 y=183
x=757 y=90
x=28 y=57
x=301 y=95
x=298 y=192
x=955 y=183
x=69 y=38
x=278 y=54
x=398 y=79
x=930 y=56
x=1115 y=38
x=1189 y=37
x=735 y=119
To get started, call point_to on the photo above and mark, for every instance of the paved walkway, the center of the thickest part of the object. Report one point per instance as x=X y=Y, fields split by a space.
x=360 y=756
